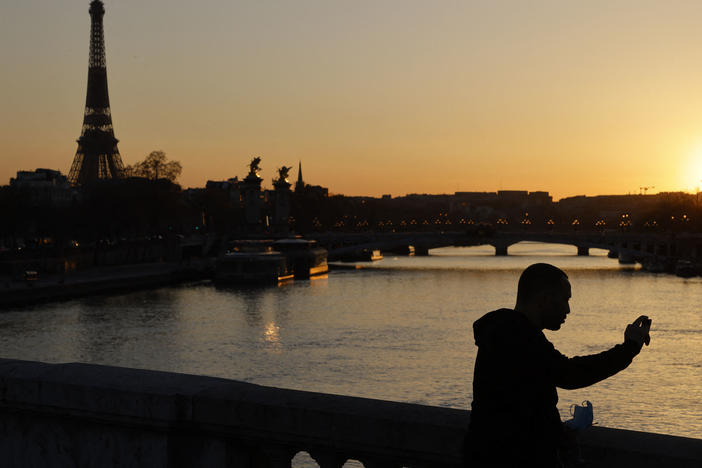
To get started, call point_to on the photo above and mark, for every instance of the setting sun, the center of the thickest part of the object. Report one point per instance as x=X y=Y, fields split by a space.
x=692 y=175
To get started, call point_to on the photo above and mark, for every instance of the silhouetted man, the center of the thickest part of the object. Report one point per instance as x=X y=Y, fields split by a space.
x=514 y=419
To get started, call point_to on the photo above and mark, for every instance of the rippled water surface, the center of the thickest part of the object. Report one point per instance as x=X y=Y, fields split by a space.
x=398 y=330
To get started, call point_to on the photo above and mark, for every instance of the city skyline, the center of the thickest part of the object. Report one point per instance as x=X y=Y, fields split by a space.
x=373 y=99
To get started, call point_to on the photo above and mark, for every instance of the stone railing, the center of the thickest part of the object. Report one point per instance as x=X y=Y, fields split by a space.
x=89 y=415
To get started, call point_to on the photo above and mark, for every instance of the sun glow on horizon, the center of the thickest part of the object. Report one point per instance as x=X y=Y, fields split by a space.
x=692 y=175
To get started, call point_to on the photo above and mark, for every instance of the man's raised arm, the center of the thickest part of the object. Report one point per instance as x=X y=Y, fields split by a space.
x=582 y=371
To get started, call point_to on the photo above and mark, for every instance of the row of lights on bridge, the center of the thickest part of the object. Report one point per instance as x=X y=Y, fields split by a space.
x=625 y=221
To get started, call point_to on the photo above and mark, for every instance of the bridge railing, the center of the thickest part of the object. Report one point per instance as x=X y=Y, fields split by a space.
x=90 y=415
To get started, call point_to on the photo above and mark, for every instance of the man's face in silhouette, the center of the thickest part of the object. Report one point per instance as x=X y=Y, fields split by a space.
x=554 y=305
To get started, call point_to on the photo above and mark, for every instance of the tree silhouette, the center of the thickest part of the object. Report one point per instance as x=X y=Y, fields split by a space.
x=155 y=167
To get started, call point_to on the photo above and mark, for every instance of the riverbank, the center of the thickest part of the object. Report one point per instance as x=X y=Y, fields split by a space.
x=101 y=280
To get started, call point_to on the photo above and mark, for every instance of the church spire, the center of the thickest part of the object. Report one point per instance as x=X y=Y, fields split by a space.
x=300 y=184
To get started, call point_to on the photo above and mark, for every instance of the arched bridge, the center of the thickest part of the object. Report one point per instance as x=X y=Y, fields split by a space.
x=637 y=246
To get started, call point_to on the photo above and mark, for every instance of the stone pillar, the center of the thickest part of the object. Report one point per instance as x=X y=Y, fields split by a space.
x=421 y=250
x=281 y=213
x=252 y=202
x=501 y=249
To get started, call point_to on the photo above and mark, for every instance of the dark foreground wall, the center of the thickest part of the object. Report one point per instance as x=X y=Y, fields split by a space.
x=66 y=415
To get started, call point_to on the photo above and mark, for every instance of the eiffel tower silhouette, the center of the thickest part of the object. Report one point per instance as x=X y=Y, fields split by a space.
x=97 y=156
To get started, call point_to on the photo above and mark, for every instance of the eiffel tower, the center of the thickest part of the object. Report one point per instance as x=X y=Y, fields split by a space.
x=97 y=156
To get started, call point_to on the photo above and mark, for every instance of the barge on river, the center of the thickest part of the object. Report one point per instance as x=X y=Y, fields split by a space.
x=270 y=262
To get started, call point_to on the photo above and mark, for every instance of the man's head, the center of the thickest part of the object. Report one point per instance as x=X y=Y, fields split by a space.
x=543 y=294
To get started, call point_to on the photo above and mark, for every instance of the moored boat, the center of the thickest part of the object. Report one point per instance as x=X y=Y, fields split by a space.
x=304 y=257
x=252 y=262
x=626 y=259
x=407 y=250
x=363 y=255
x=376 y=255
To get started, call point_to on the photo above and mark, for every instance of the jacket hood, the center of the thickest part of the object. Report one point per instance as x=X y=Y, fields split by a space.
x=502 y=321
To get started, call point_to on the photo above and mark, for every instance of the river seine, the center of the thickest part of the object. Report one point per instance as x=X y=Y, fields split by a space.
x=400 y=329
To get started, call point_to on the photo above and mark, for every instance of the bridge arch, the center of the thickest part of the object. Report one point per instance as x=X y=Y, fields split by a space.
x=639 y=246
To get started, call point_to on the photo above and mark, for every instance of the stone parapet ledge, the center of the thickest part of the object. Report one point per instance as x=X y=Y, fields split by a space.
x=91 y=415
x=196 y=416
x=606 y=447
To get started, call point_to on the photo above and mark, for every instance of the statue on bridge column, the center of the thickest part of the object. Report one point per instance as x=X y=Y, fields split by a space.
x=254 y=167
x=253 y=202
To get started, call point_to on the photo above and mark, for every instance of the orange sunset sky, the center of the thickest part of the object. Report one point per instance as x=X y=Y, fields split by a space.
x=373 y=97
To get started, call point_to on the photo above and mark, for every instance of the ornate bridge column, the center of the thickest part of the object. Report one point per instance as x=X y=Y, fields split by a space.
x=281 y=214
x=253 y=202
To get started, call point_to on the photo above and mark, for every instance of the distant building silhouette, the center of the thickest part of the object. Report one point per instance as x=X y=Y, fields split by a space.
x=97 y=156
x=230 y=186
x=524 y=198
x=306 y=190
x=43 y=186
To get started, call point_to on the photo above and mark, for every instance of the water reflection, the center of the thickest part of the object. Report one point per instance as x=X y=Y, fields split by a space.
x=252 y=307
x=270 y=333
x=271 y=336
x=124 y=329
x=319 y=281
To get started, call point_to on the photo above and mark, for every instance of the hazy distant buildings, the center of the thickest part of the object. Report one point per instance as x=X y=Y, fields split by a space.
x=618 y=203
x=518 y=198
x=230 y=186
x=476 y=197
x=610 y=208
x=43 y=186
x=479 y=206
